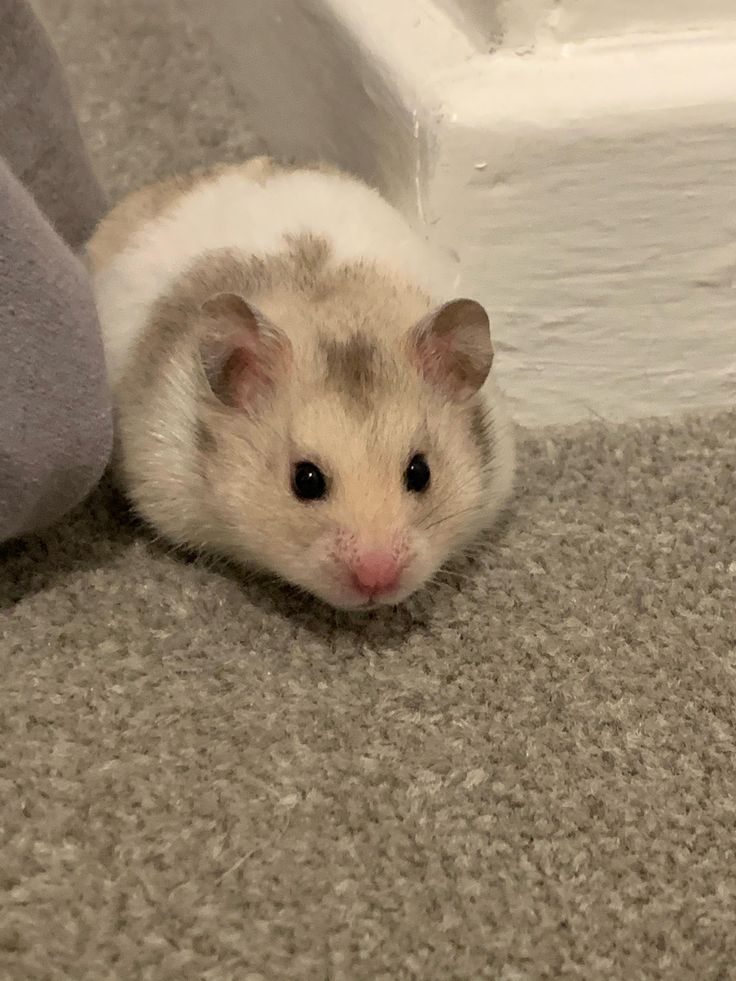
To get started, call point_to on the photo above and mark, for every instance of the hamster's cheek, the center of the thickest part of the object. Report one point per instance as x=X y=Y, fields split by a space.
x=423 y=565
x=304 y=563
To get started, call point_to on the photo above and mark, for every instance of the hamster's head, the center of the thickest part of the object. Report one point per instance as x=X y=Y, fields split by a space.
x=353 y=465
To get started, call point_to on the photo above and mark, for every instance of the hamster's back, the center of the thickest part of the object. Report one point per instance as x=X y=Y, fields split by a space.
x=154 y=235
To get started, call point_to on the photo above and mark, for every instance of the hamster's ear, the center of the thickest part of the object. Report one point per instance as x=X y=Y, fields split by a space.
x=452 y=347
x=243 y=355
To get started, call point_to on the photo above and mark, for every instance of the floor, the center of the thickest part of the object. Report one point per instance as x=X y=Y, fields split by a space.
x=526 y=772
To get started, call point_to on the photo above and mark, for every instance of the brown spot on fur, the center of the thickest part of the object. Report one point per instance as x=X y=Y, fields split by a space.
x=481 y=431
x=352 y=367
x=205 y=439
x=225 y=271
x=304 y=265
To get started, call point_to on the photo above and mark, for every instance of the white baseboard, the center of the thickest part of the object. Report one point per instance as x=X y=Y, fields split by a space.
x=589 y=191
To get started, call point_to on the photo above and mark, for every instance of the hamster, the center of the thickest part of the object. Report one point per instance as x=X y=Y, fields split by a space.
x=293 y=389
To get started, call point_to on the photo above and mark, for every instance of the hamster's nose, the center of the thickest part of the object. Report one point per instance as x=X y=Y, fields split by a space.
x=375 y=572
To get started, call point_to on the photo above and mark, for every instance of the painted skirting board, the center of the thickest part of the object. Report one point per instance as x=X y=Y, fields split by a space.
x=587 y=191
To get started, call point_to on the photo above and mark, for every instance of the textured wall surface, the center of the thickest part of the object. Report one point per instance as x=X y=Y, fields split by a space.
x=520 y=22
x=587 y=189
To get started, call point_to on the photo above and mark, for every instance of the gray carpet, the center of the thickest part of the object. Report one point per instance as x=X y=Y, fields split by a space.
x=527 y=772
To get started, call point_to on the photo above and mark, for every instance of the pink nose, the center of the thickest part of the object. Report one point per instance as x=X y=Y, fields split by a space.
x=375 y=572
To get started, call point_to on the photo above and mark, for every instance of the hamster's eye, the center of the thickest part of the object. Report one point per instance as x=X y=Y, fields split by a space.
x=308 y=481
x=417 y=474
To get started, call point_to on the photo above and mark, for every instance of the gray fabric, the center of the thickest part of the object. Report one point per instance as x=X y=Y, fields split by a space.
x=39 y=136
x=55 y=428
x=526 y=773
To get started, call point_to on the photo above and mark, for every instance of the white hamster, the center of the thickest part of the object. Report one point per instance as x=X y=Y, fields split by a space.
x=292 y=389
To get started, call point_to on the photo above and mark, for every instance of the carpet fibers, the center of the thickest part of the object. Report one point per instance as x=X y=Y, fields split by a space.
x=527 y=772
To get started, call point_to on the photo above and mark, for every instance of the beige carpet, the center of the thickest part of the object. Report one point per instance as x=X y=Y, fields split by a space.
x=529 y=772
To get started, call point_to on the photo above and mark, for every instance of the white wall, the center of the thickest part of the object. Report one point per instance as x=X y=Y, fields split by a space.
x=480 y=19
x=522 y=22
x=586 y=190
x=580 y=19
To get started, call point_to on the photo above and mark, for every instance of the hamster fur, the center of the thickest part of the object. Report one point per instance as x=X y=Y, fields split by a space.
x=260 y=321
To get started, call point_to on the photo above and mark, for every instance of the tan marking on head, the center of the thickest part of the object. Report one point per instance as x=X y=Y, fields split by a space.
x=303 y=267
x=352 y=368
x=223 y=271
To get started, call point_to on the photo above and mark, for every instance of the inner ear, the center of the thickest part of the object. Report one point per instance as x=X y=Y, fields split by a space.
x=243 y=354
x=452 y=347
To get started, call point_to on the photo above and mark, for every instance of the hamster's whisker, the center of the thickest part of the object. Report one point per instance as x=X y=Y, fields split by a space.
x=432 y=511
x=454 y=514
x=437 y=506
